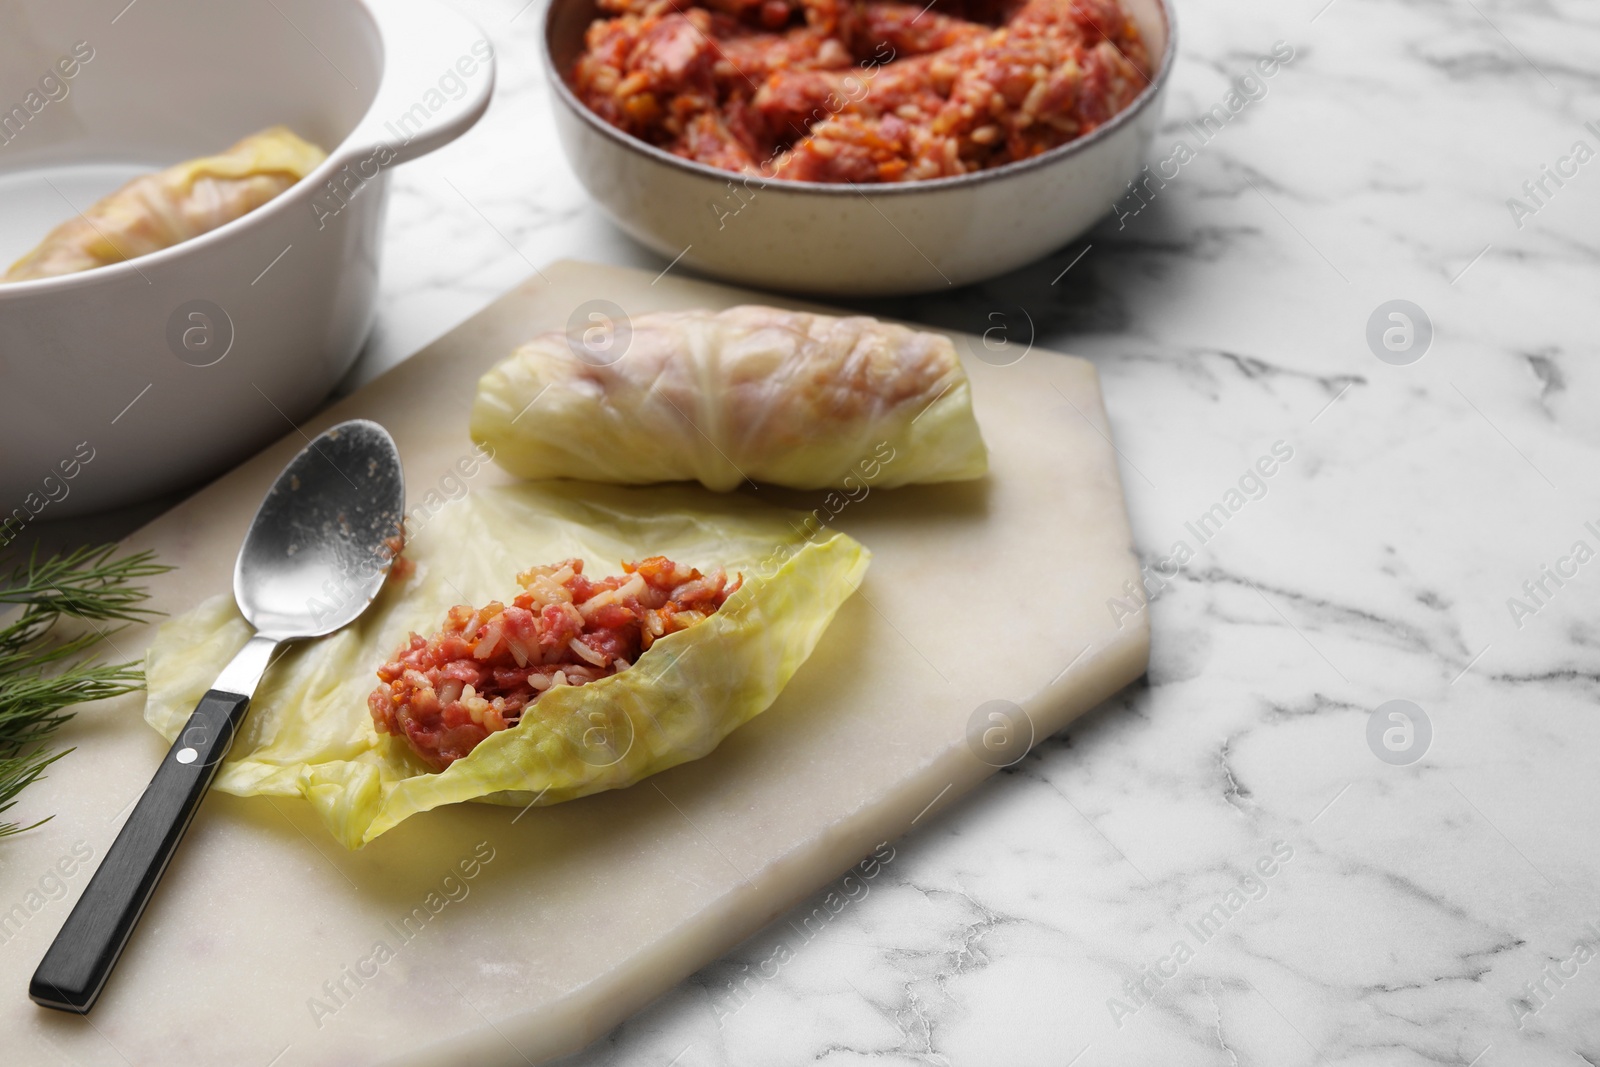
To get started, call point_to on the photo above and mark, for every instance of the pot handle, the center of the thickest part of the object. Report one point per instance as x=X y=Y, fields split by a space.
x=437 y=79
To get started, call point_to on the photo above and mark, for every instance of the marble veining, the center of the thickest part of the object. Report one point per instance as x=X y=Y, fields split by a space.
x=1442 y=911
x=1431 y=913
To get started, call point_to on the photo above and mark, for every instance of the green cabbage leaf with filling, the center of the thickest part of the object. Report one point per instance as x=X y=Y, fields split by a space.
x=309 y=734
x=749 y=393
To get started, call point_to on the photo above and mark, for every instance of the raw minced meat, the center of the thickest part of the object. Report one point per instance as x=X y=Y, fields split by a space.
x=481 y=672
x=860 y=90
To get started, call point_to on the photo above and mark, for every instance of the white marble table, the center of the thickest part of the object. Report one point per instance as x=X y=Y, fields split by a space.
x=1436 y=911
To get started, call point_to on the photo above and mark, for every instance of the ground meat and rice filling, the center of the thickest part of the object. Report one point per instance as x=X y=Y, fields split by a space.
x=446 y=693
x=860 y=90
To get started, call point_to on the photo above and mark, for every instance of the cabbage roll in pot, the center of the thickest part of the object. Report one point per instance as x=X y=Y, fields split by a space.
x=169 y=207
x=751 y=393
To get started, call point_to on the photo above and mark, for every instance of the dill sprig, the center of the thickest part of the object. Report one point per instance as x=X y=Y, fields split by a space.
x=86 y=583
x=44 y=671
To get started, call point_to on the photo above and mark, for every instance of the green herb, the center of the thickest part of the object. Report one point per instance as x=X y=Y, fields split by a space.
x=44 y=671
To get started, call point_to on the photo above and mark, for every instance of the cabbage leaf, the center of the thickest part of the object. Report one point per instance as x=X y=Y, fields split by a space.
x=746 y=394
x=308 y=732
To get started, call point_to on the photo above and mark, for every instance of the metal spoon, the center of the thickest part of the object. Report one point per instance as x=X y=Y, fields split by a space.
x=316 y=554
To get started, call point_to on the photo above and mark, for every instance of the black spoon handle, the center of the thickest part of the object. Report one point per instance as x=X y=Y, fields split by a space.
x=80 y=959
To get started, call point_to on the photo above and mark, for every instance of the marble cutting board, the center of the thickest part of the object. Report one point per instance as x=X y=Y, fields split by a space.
x=485 y=935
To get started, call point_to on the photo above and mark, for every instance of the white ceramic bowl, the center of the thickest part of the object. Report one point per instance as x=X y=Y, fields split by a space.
x=871 y=240
x=134 y=379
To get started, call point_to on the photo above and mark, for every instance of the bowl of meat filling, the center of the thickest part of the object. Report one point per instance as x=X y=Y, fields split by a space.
x=857 y=147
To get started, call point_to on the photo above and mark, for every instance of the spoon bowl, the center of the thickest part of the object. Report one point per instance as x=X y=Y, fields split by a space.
x=320 y=548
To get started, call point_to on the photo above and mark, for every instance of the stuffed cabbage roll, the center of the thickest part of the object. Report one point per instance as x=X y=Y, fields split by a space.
x=751 y=393
x=159 y=210
x=311 y=731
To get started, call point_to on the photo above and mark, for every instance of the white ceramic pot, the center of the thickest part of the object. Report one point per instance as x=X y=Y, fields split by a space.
x=138 y=378
x=868 y=240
